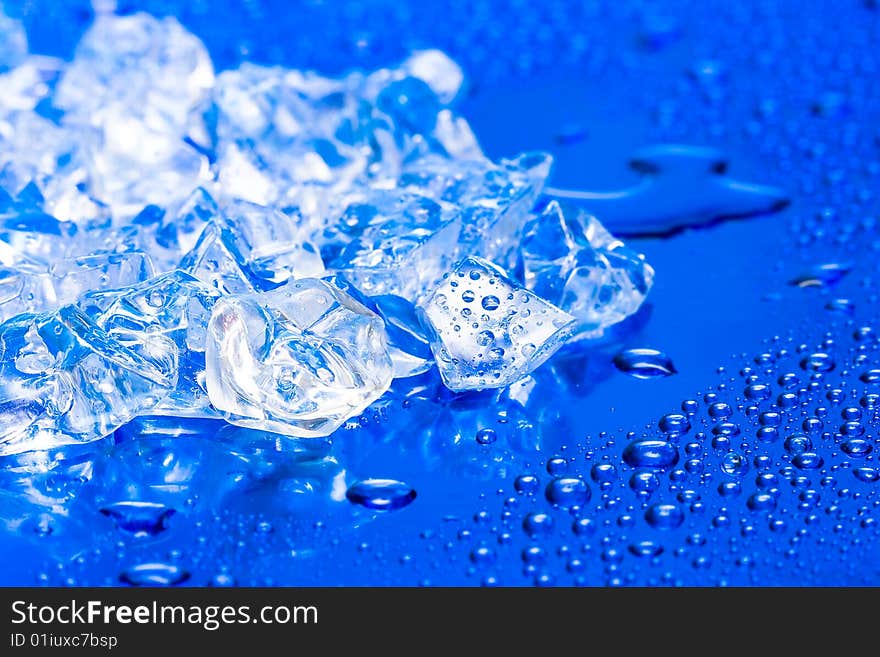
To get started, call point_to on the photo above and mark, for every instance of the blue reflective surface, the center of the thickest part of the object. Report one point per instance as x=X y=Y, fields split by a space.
x=752 y=463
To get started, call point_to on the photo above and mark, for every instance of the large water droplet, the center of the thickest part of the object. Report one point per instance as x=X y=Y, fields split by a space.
x=650 y=454
x=857 y=447
x=823 y=275
x=644 y=363
x=808 y=461
x=818 y=362
x=664 y=516
x=735 y=465
x=381 y=494
x=139 y=518
x=538 y=524
x=154 y=574
x=868 y=475
x=567 y=492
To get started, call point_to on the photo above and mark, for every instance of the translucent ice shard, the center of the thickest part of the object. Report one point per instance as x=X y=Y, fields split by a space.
x=488 y=332
x=582 y=268
x=65 y=380
x=28 y=83
x=154 y=69
x=136 y=88
x=441 y=74
x=298 y=360
x=13 y=42
x=32 y=286
x=406 y=244
x=249 y=247
x=176 y=306
x=495 y=198
x=407 y=343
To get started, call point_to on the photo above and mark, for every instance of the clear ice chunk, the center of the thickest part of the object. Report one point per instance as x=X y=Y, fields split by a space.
x=438 y=71
x=28 y=83
x=173 y=305
x=407 y=343
x=64 y=380
x=582 y=268
x=495 y=199
x=406 y=245
x=33 y=286
x=135 y=90
x=153 y=69
x=13 y=42
x=248 y=247
x=486 y=331
x=299 y=360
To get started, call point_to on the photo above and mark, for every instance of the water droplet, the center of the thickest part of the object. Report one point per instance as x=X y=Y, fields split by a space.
x=842 y=306
x=650 y=454
x=603 y=472
x=526 y=483
x=490 y=302
x=644 y=363
x=822 y=275
x=646 y=549
x=797 y=443
x=483 y=555
x=856 y=447
x=870 y=376
x=381 y=494
x=646 y=482
x=222 y=580
x=808 y=461
x=664 y=516
x=735 y=465
x=557 y=466
x=761 y=502
x=818 y=362
x=868 y=475
x=567 y=492
x=674 y=424
x=154 y=574
x=538 y=524
x=139 y=518
x=486 y=436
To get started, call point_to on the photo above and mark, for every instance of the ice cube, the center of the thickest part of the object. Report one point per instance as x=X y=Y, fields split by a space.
x=64 y=380
x=407 y=343
x=33 y=286
x=578 y=265
x=495 y=199
x=174 y=305
x=299 y=360
x=13 y=42
x=249 y=247
x=486 y=331
x=136 y=88
x=406 y=244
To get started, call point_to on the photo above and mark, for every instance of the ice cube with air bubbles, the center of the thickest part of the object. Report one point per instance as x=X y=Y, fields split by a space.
x=65 y=380
x=298 y=360
x=577 y=264
x=486 y=331
x=406 y=244
x=494 y=200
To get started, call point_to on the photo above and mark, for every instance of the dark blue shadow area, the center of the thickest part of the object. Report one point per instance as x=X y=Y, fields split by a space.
x=754 y=464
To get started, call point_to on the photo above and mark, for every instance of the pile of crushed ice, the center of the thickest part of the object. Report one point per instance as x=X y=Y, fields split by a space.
x=264 y=244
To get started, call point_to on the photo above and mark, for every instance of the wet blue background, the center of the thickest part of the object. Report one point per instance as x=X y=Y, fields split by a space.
x=788 y=92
